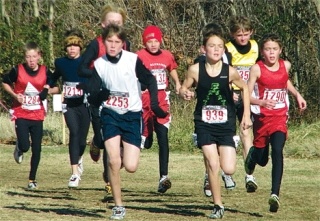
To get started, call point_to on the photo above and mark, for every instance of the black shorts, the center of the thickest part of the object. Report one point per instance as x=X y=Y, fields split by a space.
x=207 y=139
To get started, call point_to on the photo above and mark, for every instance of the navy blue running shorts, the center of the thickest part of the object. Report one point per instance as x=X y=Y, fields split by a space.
x=127 y=125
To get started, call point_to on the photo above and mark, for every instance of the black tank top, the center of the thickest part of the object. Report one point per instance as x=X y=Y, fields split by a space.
x=214 y=91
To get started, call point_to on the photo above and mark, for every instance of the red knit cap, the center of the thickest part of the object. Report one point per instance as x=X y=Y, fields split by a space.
x=151 y=32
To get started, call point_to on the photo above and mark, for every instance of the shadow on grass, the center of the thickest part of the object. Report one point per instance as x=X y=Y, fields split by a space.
x=40 y=194
x=60 y=210
x=174 y=211
x=242 y=212
x=188 y=210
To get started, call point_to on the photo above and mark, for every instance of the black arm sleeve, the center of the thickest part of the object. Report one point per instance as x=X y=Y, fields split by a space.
x=145 y=77
x=90 y=54
x=50 y=78
x=11 y=77
x=97 y=94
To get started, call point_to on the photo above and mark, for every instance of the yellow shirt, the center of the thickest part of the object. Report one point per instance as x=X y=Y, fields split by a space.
x=243 y=62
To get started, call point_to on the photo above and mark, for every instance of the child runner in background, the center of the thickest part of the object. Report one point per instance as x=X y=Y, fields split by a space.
x=95 y=49
x=161 y=63
x=269 y=80
x=75 y=111
x=27 y=83
x=214 y=115
x=119 y=74
x=244 y=52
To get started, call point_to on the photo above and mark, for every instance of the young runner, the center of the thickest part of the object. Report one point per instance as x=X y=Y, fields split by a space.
x=75 y=111
x=244 y=52
x=269 y=80
x=95 y=49
x=27 y=83
x=214 y=116
x=161 y=63
x=226 y=58
x=118 y=74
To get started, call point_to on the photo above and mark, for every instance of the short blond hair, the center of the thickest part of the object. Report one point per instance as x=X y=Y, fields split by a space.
x=111 y=8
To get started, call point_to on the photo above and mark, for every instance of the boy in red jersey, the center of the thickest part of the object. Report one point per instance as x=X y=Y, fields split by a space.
x=28 y=84
x=269 y=80
x=161 y=63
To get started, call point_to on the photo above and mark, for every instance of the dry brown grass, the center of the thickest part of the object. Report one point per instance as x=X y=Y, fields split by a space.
x=184 y=201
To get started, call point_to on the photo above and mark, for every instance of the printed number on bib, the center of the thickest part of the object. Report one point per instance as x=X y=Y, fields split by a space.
x=31 y=102
x=119 y=100
x=214 y=114
x=278 y=95
x=161 y=77
x=243 y=72
x=70 y=90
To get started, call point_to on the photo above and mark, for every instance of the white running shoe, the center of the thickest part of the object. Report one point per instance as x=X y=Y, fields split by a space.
x=236 y=140
x=17 y=154
x=194 y=139
x=118 y=213
x=229 y=183
x=206 y=186
x=74 y=181
x=143 y=140
x=80 y=166
x=251 y=184
x=32 y=185
x=217 y=213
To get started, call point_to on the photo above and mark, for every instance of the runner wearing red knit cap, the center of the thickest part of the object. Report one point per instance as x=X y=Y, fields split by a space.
x=161 y=63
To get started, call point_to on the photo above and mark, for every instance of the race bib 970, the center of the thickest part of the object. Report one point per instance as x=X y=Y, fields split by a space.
x=214 y=114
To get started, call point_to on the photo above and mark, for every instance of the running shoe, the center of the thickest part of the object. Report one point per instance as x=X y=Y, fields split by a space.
x=236 y=140
x=107 y=187
x=118 y=213
x=164 y=184
x=32 y=185
x=249 y=164
x=94 y=152
x=217 y=212
x=251 y=184
x=206 y=186
x=74 y=181
x=274 y=203
x=143 y=140
x=229 y=183
x=80 y=166
x=17 y=154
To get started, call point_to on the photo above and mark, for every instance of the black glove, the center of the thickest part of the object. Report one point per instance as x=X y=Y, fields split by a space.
x=81 y=86
x=159 y=112
x=103 y=94
x=43 y=94
x=97 y=98
x=143 y=87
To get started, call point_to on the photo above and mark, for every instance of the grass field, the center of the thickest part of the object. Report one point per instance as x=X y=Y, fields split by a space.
x=300 y=195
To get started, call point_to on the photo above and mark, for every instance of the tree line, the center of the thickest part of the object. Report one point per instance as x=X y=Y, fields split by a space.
x=297 y=22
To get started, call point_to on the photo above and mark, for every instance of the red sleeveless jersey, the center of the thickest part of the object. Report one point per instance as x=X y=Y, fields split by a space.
x=272 y=85
x=30 y=86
